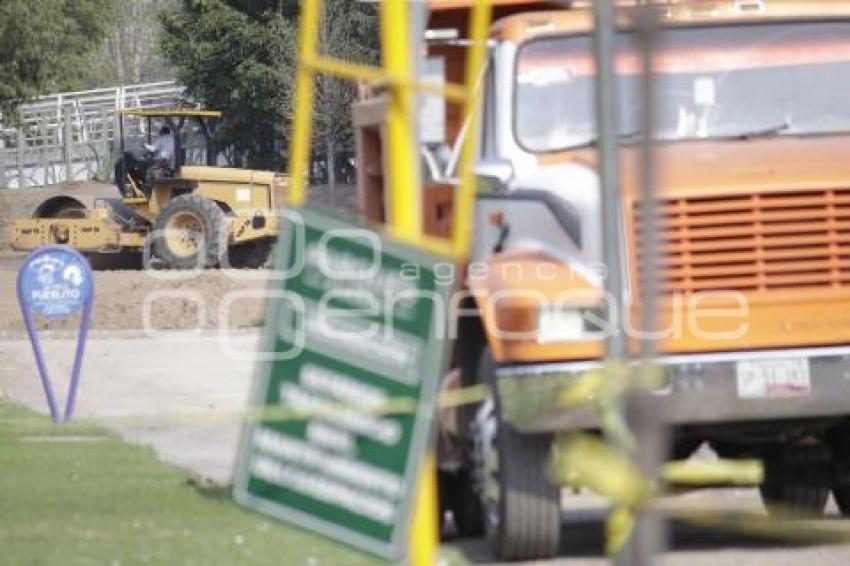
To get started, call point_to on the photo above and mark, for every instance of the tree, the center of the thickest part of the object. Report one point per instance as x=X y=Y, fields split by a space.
x=129 y=54
x=43 y=46
x=238 y=56
x=348 y=32
x=230 y=56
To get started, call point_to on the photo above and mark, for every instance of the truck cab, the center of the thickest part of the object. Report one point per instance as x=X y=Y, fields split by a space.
x=753 y=191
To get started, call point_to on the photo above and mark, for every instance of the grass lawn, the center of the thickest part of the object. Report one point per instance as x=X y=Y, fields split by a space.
x=77 y=495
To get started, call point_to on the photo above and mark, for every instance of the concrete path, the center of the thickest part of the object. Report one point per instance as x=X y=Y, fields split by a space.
x=142 y=387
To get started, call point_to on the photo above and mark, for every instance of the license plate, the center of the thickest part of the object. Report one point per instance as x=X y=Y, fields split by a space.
x=774 y=378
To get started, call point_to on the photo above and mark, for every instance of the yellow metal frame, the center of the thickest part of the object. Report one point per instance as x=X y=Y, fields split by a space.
x=405 y=218
x=403 y=186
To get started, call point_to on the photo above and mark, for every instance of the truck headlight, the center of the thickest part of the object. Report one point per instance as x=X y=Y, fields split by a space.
x=567 y=324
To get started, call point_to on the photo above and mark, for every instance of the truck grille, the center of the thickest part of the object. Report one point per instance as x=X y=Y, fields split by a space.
x=750 y=243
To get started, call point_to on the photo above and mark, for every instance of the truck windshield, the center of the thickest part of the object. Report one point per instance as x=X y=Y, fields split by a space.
x=713 y=82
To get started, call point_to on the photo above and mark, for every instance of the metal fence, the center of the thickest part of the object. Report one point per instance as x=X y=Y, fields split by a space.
x=73 y=136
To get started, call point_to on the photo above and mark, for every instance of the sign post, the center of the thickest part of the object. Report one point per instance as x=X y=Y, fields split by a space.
x=356 y=343
x=55 y=282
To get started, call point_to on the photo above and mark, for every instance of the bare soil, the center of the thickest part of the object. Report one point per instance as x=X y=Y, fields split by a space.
x=122 y=299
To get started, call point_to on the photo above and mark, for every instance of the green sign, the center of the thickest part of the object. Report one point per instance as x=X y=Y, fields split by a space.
x=356 y=321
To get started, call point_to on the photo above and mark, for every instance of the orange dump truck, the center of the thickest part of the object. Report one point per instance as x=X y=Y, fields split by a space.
x=753 y=156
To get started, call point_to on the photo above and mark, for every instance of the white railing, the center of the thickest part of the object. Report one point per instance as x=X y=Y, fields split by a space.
x=74 y=135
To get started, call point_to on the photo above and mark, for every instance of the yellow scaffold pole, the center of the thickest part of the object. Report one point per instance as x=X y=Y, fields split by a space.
x=402 y=166
x=299 y=152
x=405 y=223
x=405 y=211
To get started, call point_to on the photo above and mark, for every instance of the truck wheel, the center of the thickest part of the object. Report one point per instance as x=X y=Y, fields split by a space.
x=252 y=255
x=190 y=232
x=839 y=442
x=798 y=500
x=842 y=499
x=791 y=483
x=521 y=506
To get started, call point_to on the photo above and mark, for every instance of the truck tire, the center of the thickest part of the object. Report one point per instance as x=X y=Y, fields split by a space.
x=521 y=506
x=190 y=232
x=839 y=442
x=797 y=500
x=842 y=499
x=791 y=485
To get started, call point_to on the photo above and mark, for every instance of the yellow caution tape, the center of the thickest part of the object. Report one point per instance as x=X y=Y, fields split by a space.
x=582 y=460
x=759 y=525
x=618 y=529
x=583 y=390
x=721 y=472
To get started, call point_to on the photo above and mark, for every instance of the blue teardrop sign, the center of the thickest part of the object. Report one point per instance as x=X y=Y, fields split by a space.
x=55 y=282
